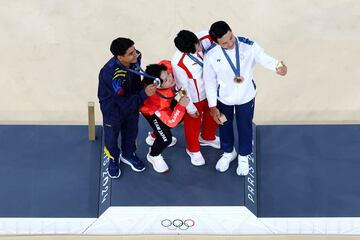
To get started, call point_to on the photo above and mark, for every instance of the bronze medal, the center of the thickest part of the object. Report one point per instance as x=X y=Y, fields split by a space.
x=238 y=79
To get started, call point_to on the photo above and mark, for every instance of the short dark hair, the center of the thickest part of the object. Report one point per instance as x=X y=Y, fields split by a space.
x=154 y=70
x=120 y=45
x=185 y=41
x=218 y=30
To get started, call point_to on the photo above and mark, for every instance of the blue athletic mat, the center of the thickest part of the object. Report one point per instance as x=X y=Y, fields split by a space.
x=308 y=171
x=183 y=185
x=49 y=171
x=302 y=171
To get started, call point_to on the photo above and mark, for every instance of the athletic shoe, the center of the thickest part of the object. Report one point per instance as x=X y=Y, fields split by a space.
x=134 y=162
x=158 y=163
x=196 y=158
x=224 y=162
x=243 y=165
x=113 y=169
x=212 y=143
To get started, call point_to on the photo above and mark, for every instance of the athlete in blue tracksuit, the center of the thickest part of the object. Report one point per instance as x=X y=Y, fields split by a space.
x=121 y=94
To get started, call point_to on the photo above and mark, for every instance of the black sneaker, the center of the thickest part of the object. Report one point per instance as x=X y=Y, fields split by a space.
x=113 y=169
x=134 y=162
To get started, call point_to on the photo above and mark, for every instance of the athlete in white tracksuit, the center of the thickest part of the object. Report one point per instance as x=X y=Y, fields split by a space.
x=229 y=85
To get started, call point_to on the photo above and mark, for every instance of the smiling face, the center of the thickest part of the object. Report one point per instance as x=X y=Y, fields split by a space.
x=227 y=41
x=168 y=80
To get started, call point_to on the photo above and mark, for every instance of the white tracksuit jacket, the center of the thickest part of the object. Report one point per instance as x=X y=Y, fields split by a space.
x=219 y=76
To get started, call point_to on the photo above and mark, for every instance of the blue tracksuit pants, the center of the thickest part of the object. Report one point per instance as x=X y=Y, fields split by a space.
x=244 y=115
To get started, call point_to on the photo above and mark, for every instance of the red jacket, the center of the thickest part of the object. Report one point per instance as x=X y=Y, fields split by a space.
x=159 y=104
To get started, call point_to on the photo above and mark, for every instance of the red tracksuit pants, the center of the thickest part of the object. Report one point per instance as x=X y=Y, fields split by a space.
x=204 y=124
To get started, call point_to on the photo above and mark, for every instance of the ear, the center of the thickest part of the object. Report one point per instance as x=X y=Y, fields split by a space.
x=120 y=58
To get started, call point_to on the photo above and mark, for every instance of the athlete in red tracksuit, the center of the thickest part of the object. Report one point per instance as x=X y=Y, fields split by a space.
x=187 y=65
x=158 y=112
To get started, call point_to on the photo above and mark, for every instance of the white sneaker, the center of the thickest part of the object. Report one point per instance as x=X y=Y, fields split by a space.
x=150 y=140
x=223 y=163
x=243 y=165
x=158 y=163
x=196 y=158
x=213 y=143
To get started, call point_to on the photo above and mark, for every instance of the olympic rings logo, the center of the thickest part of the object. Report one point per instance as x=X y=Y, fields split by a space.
x=178 y=224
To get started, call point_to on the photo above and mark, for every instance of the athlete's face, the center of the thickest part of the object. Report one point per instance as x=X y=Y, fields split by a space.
x=168 y=80
x=129 y=57
x=198 y=47
x=227 y=41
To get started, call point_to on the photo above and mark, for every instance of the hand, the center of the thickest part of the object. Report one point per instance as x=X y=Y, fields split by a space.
x=281 y=69
x=195 y=114
x=215 y=113
x=150 y=89
x=184 y=101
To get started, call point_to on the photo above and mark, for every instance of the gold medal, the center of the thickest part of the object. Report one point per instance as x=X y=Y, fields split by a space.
x=181 y=93
x=239 y=79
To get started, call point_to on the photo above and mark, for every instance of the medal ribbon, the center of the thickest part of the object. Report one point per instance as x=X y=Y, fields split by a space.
x=141 y=72
x=236 y=69
x=195 y=59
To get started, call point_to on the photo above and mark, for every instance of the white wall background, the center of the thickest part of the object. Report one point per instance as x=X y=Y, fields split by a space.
x=52 y=51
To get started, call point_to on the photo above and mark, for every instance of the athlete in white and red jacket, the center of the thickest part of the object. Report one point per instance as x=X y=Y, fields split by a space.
x=187 y=64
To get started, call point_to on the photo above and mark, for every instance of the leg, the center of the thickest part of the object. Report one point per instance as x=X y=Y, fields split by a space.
x=162 y=133
x=163 y=139
x=209 y=126
x=129 y=132
x=244 y=117
x=111 y=135
x=192 y=131
x=226 y=129
x=111 y=149
x=226 y=138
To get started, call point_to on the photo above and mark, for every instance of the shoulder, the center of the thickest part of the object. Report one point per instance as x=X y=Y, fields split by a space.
x=180 y=59
x=109 y=67
x=245 y=40
x=203 y=35
x=176 y=57
x=213 y=51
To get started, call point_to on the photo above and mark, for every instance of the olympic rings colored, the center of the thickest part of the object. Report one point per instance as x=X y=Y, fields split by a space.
x=166 y=223
x=178 y=224
x=186 y=222
x=183 y=227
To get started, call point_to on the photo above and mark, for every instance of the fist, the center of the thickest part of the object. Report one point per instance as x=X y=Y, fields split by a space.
x=215 y=113
x=281 y=69
x=195 y=115
x=184 y=101
x=150 y=89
